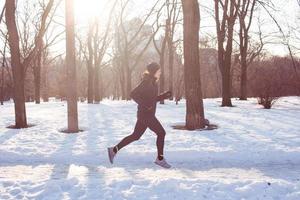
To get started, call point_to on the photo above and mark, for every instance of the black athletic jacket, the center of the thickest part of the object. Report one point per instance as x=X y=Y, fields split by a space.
x=146 y=96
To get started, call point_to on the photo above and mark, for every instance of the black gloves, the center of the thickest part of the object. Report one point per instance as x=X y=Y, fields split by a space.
x=164 y=95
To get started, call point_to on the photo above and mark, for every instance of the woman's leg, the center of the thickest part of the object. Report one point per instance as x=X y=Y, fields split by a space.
x=137 y=133
x=157 y=128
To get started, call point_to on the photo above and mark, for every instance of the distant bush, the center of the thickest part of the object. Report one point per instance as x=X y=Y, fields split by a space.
x=267 y=102
x=271 y=79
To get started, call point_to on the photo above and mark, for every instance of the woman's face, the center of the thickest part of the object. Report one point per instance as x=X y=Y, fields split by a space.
x=157 y=74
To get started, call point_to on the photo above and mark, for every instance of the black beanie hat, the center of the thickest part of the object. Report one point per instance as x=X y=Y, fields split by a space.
x=152 y=67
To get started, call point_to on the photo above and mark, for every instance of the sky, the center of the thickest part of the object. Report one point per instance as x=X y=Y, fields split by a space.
x=286 y=13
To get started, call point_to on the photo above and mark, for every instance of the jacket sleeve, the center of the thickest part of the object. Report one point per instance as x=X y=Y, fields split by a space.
x=161 y=97
x=137 y=94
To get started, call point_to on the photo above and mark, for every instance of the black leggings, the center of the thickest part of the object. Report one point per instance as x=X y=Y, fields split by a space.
x=140 y=127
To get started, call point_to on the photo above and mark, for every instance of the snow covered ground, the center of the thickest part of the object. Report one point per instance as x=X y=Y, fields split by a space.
x=255 y=154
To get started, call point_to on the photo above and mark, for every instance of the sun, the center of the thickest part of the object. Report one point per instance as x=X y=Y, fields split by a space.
x=85 y=10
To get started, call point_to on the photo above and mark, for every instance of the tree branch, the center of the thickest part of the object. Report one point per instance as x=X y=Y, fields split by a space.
x=2 y=13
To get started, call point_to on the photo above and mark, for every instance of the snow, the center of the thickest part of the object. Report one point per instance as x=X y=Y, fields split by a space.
x=254 y=154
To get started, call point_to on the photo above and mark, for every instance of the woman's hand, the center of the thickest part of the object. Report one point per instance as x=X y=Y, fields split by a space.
x=167 y=94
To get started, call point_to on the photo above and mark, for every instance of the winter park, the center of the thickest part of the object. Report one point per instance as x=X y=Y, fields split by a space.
x=150 y=99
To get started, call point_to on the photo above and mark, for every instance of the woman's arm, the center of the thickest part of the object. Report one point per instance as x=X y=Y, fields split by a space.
x=164 y=95
x=137 y=94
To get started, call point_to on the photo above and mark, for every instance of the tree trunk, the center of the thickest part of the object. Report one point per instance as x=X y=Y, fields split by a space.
x=127 y=77
x=122 y=82
x=2 y=71
x=101 y=86
x=2 y=86
x=37 y=77
x=171 y=65
x=90 y=67
x=194 y=103
x=97 y=90
x=71 y=68
x=92 y=73
x=162 y=64
x=225 y=29
x=226 y=75
x=162 y=80
x=123 y=93
x=116 y=93
x=243 y=79
x=247 y=9
x=128 y=85
x=17 y=67
x=226 y=85
x=45 y=93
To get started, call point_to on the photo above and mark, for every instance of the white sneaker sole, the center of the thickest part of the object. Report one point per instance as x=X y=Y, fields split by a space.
x=110 y=157
x=165 y=167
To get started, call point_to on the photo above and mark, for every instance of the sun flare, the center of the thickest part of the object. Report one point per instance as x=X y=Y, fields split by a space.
x=85 y=10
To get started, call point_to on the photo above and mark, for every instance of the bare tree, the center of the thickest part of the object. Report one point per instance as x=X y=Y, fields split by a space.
x=132 y=42
x=266 y=6
x=225 y=28
x=194 y=103
x=90 y=64
x=179 y=74
x=2 y=13
x=2 y=70
x=93 y=50
x=47 y=60
x=17 y=66
x=173 y=16
x=8 y=73
x=167 y=47
x=41 y=46
x=245 y=15
x=71 y=68
x=101 y=44
x=161 y=50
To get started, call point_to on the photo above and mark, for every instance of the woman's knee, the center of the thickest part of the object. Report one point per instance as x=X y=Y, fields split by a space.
x=135 y=136
x=162 y=133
